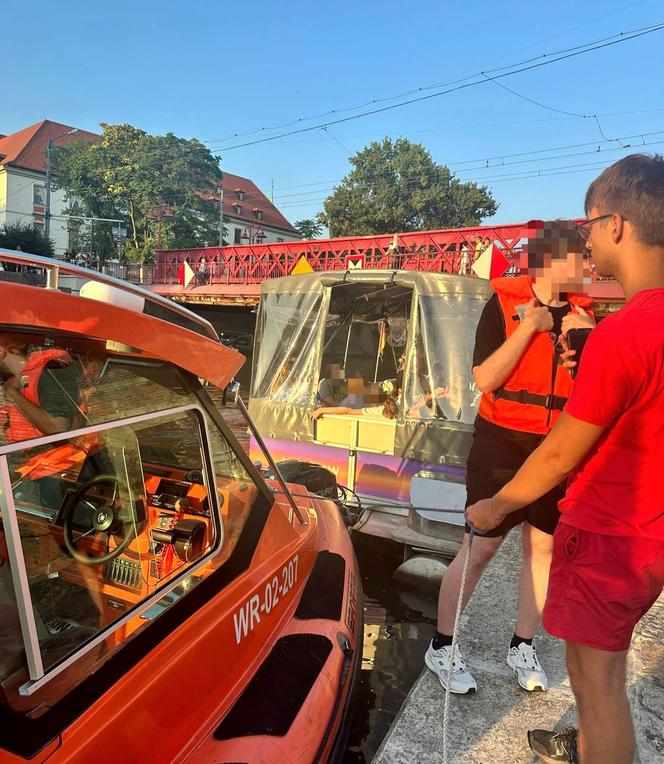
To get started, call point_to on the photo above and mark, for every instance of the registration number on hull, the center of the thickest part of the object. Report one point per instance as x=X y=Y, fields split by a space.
x=263 y=601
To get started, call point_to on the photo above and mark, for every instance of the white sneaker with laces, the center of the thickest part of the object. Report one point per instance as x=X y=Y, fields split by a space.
x=523 y=662
x=438 y=662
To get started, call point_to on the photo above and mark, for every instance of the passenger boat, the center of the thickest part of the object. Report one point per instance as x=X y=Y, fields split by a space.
x=159 y=599
x=404 y=333
x=386 y=330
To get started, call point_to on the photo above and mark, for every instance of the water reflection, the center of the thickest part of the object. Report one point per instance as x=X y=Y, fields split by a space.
x=398 y=625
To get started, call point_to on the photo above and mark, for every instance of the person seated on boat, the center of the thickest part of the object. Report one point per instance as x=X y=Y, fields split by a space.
x=40 y=389
x=330 y=387
x=355 y=398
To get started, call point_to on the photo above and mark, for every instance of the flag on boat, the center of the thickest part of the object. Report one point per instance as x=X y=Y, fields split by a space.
x=491 y=263
x=185 y=274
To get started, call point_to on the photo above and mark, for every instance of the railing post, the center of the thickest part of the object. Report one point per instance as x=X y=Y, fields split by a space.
x=52 y=277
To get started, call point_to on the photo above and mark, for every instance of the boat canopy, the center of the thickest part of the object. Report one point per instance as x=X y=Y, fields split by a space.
x=404 y=333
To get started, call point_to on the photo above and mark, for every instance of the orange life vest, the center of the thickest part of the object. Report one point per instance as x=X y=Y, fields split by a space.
x=19 y=427
x=532 y=397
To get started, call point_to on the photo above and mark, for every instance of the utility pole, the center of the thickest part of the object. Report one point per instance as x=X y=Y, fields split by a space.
x=47 y=210
x=221 y=212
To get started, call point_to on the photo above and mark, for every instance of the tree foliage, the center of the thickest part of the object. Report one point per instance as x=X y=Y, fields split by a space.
x=25 y=238
x=148 y=181
x=310 y=228
x=396 y=186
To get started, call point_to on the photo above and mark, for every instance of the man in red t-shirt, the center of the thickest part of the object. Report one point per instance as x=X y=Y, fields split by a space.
x=608 y=557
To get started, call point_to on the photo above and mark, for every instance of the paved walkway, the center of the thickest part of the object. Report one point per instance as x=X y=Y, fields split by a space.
x=490 y=726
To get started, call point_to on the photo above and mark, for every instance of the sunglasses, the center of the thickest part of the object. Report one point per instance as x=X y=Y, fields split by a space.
x=584 y=229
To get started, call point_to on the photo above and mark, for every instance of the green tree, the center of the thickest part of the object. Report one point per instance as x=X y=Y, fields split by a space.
x=310 y=228
x=25 y=238
x=396 y=186
x=156 y=184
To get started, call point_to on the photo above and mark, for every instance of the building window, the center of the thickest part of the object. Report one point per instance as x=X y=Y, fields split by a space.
x=279 y=238
x=237 y=236
x=38 y=206
x=38 y=197
x=238 y=209
x=240 y=194
x=258 y=214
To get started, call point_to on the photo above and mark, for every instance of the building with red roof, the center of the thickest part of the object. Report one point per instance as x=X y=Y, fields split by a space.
x=249 y=216
x=23 y=178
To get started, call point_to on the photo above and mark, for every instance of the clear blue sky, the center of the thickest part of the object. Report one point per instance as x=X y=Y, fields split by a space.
x=210 y=69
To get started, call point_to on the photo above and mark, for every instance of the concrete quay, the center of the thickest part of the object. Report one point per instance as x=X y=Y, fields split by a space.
x=490 y=726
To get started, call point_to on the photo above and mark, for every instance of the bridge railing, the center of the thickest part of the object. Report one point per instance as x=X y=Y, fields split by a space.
x=444 y=251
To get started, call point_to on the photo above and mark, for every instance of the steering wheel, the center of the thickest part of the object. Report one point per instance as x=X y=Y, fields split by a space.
x=104 y=518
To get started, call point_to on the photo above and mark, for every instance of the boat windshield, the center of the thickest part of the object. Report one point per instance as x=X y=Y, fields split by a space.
x=134 y=498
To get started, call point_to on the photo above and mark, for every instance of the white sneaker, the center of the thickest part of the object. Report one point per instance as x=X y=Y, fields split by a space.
x=438 y=662
x=523 y=662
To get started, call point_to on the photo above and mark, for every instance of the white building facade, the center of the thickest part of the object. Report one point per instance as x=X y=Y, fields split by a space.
x=249 y=216
x=23 y=181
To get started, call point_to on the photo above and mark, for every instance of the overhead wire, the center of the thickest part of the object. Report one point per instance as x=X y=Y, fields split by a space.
x=520 y=175
x=598 y=150
x=533 y=63
x=479 y=179
x=460 y=78
x=485 y=161
x=537 y=63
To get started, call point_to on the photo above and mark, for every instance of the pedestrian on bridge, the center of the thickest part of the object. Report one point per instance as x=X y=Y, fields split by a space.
x=202 y=271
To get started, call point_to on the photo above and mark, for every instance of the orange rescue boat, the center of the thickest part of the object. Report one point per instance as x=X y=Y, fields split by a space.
x=159 y=599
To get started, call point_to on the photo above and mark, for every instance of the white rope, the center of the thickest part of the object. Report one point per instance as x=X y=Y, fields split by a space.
x=455 y=634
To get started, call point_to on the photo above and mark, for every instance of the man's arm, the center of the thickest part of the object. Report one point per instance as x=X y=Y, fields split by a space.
x=566 y=446
x=493 y=372
x=37 y=416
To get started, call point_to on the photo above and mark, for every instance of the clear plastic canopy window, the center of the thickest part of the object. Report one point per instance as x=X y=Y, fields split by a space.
x=286 y=347
x=438 y=381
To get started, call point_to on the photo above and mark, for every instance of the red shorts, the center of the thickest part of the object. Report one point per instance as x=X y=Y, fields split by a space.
x=600 y=586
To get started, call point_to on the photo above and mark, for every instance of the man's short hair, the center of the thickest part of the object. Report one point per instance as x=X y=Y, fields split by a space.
x=551 y=240
x=634 y=188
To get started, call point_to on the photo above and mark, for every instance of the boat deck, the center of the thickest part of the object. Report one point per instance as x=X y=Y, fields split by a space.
x=491 y=725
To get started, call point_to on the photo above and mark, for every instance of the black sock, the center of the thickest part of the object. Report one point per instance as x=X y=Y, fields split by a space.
x=441 y=640
x=517 y=640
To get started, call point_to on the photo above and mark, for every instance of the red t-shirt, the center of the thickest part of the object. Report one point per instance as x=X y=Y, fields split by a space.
x=619 y=488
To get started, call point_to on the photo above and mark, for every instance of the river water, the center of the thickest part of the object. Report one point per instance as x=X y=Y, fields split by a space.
x=398 y=621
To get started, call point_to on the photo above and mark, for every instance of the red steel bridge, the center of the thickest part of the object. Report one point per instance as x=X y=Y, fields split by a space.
x=232 y=275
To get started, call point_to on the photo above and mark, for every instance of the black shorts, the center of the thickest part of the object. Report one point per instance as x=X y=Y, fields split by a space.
x=495 y=457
